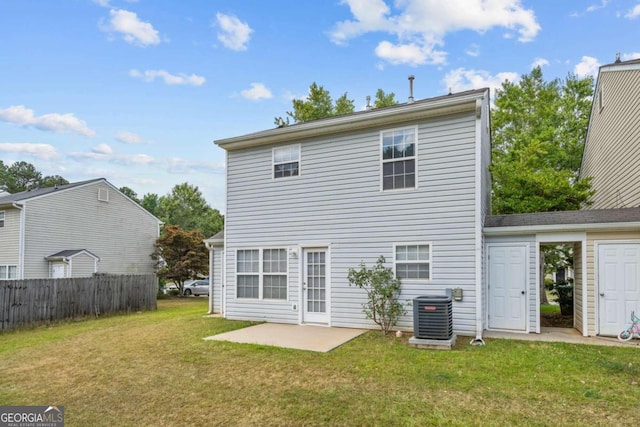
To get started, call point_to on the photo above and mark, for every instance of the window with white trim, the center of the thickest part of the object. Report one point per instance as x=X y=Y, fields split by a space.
x=413 y=262
x=1 y=219
x=286 y=161
x=8 y=272
x=399 y=159
x=262 y=273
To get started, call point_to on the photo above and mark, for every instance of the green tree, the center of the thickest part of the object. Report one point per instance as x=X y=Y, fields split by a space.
x=185 y=206
x=317 y=105
x=384 y=99
x=538 y=135
x=129 y=193
x=180 y=255
x=151 y=202
x=22 y=176
x=383 y=290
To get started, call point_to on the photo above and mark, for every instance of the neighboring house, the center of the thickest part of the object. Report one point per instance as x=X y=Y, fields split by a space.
x=410 y=182
x=612 y=148
x=74 y=230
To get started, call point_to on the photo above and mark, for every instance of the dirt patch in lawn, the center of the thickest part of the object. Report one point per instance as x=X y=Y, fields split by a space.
x=556 y=320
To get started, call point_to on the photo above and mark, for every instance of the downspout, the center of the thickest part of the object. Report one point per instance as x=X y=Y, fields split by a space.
x=209 y=246
x=479 y=241
x=21 y=240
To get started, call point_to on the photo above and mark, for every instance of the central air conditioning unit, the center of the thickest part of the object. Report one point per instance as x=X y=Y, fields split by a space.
x=433 y=317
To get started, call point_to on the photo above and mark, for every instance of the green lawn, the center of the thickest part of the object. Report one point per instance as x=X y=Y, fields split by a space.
x=154 y=369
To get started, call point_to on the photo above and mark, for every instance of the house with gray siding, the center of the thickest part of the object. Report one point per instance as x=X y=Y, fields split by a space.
x=307 y=202
x=612 y=148
x=74 y=230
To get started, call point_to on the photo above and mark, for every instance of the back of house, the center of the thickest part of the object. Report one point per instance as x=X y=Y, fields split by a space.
x=307 y=202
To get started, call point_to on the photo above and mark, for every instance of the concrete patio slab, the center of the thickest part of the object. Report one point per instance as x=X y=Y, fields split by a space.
x=567 y=335
x=300 y=337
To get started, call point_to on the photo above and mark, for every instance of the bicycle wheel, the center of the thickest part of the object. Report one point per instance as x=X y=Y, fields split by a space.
x=625 y=335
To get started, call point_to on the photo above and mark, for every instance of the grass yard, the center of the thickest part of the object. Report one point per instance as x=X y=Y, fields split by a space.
x=154 y=369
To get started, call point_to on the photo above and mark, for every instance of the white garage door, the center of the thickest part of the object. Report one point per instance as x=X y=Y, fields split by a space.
x=618 y=285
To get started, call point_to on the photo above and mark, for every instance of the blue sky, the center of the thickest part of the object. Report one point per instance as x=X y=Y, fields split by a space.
x=136 y=91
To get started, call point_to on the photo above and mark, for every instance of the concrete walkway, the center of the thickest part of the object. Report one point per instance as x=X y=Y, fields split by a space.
x=300 y=337
x=571 y=336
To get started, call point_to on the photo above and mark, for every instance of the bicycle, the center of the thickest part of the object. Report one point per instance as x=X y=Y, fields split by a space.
x=633 y=329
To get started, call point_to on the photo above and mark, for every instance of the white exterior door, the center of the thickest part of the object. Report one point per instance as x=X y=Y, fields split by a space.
x=57 y=271
x=618 y=285
x=315 y=286
x=507 y=287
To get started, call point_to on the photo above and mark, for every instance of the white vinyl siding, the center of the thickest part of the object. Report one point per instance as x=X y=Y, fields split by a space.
x=413 y=262
x=338 y=203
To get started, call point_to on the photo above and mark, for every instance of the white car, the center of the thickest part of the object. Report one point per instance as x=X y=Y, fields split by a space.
x=197 y=288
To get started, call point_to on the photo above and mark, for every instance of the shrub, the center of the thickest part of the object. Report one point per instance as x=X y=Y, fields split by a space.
x=383 y=290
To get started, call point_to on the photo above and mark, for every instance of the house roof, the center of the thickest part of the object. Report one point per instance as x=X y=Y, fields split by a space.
x=565 y=220
x=217 y=239
x=69 y=253
x=30 y=194
x=441 y=105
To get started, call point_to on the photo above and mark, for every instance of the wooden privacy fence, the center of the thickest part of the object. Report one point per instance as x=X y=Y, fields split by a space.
x=24 y=302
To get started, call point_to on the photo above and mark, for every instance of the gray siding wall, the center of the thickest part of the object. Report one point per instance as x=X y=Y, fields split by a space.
x=217 y=278
x=337 y=201
x=578 y=308
x=612 y=156
x=82 y=266
x=10 y=237
x=530 y=242
x=119 y=232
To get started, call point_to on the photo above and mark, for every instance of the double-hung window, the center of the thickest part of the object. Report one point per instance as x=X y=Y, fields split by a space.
x=262 y=274
x=399 y=159
x=1 y=219
x=8 y=272
x=413 y=261
x=286 y=161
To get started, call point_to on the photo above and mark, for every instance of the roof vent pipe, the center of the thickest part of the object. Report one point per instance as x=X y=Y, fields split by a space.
x=411 y=77
x=368 y=107
x=618 y=58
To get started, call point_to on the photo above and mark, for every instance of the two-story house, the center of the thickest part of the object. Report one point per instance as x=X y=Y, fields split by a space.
x=309 y=201
x=74 y=230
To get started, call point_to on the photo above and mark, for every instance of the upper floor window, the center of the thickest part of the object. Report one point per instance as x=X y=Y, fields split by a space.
x=286 y=161
x=1 y=218
x=399 y=159
x=413 y=261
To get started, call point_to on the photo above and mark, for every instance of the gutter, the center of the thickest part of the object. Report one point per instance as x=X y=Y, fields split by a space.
x=532 y=229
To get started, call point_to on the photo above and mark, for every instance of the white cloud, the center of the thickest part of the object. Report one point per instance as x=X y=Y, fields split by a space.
x=473 y=50
x=630 y=56
x=539 y=62
x=462 y=79
x=40 y=151
x=420 y=26
x=103 y=3
x=594 y=7
x=133 y=30
x=587 y=67
x=633 y=13
x=131 y=138
x=102 y=149
x=59 y=123
x=170 y=79
x=258 y=91
x=234 y=34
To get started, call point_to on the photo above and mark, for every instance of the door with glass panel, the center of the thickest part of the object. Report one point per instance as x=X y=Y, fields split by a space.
x=315 y=284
